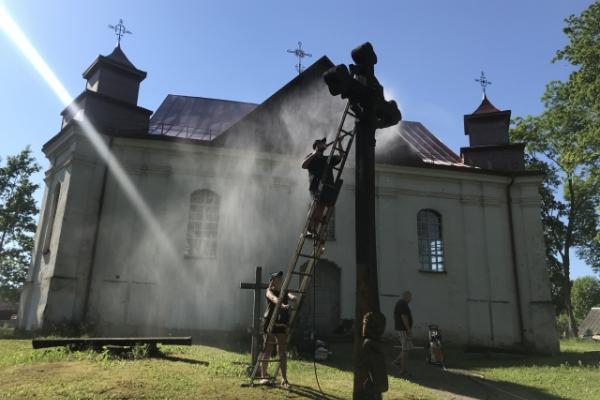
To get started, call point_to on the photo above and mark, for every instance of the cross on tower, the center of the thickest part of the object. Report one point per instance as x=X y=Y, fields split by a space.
x=300 y=54
x=483 y=82
x=120 y=31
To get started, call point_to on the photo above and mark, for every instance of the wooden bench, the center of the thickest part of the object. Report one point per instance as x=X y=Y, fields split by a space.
x=106 y=341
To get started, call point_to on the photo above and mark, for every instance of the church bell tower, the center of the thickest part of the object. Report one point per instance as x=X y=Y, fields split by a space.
x=110 y=97
x=57 y=289
x=489 y=144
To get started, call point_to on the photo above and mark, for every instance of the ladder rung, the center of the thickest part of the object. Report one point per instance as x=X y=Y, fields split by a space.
x=306 y=255
x=350 y=113
x=345 y=131
x=313 y=237
x=296 y=291
x=301 y=273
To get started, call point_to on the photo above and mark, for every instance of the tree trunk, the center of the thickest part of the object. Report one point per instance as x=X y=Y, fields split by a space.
x=567 y=260
x=573 y=331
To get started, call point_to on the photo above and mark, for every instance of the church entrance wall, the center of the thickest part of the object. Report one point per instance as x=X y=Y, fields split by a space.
x=327 y=280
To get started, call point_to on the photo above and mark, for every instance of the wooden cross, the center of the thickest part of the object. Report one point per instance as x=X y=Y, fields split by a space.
x=257 y=286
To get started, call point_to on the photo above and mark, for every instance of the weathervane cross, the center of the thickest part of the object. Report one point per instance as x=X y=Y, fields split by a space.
x=300 y=54
x=120 y=31
x=483 y=82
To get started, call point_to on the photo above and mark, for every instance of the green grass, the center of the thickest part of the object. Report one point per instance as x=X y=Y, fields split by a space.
x=572 y=374
x=183 y=374
x=201 y=372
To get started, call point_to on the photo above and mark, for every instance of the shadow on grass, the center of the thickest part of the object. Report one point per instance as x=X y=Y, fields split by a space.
x=167 y=357
x=310 y=393
x=464 y=383
x=459 y=381
x=495 y=360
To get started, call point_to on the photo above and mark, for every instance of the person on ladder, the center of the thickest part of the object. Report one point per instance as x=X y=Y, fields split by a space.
x=280 y=329
x=316 y=163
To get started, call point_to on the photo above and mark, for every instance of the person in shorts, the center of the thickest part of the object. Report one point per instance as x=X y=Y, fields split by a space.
x=279 y=333
x=403 y=323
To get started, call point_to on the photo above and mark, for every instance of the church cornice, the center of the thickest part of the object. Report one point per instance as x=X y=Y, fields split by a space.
x=117 y=66
x=108 y=99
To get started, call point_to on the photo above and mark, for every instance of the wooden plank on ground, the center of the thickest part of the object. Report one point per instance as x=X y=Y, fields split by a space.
x=102 y=341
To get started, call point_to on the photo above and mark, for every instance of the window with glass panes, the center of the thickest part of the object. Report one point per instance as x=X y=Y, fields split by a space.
x=431 y=245
x=203 y=225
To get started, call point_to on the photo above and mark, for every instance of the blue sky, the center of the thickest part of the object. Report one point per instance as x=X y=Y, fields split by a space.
x=430 y=52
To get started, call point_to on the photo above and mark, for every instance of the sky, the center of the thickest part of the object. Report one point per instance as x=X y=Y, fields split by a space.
x=430 y=53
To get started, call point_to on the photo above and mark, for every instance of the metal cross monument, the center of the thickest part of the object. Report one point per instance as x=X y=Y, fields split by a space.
x=300 y=54
x=120 y=31
x=483 y=82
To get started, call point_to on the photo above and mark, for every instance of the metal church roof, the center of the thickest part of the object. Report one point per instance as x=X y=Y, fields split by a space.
x=197 y=117
x=289 y=120
x=410 y=142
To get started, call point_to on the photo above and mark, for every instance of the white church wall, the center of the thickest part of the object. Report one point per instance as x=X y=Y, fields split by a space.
x=139 y=287
x=65 y=234
x=257 y=196
x=538 y=311
x=434 y=293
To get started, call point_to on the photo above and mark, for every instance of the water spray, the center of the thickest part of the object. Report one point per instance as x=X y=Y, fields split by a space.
x=20 y=40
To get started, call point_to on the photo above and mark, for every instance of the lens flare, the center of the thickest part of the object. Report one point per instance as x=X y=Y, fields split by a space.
x=14 y=33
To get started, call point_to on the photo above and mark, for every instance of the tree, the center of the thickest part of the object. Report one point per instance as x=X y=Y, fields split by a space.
x=17 y=224
x=584 y=295
x=565 y=142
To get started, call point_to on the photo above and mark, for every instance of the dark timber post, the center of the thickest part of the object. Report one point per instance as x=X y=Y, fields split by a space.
x=365 y=93
x=367 y=288
x=257 y=286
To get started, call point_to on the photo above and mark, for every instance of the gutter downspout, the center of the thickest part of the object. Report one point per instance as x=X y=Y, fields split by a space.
x=86 y=298
x=514 y=260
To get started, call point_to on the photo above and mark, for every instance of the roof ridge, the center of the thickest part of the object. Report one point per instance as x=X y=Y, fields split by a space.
x=211 y=98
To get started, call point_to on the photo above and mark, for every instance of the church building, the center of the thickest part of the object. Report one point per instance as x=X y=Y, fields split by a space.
x=221 y=191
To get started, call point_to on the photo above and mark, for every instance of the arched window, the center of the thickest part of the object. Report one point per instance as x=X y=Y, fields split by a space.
x=203 y=224
x=431 y=246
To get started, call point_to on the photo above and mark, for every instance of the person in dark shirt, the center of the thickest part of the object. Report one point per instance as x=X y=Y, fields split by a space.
x=316 y=164
x=403 y=322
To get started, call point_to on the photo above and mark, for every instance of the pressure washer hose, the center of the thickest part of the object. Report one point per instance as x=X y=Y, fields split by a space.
x=315 y=327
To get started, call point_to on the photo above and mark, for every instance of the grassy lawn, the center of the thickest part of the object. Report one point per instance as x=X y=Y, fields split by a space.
x=573 y=374
x=182 y=374
x=200 y=372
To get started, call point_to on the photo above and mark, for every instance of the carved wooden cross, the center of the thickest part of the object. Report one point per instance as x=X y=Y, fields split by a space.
x=257 y=286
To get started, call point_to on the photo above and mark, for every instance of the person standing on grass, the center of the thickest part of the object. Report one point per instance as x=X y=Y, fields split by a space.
x=280 y=329
x=403 y=323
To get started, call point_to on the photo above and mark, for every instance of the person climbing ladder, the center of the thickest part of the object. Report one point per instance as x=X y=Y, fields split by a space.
x=316 y=164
